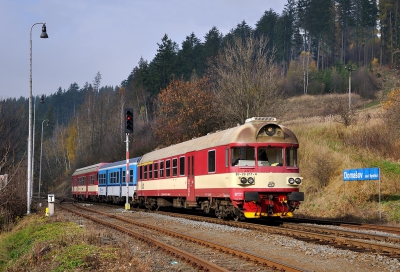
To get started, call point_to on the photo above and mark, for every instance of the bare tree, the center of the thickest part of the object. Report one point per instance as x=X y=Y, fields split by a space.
x=247 y=82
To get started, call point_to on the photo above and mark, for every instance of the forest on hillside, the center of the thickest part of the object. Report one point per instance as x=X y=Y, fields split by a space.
x=313 y=47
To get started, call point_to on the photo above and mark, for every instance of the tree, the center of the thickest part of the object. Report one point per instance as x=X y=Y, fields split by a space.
x=185 y=109
x=246 y=80
x=391 y=105
x=190 y=57
x=163 y=66
x=97 y=81
x=267 y=27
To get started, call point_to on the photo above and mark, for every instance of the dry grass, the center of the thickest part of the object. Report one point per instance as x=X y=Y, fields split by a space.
x=327 y=147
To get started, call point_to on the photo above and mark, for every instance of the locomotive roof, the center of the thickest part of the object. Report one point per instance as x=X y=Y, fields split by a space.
x=246 y=133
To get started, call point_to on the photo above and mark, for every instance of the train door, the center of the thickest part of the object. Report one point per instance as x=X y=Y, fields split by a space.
x=190 y=177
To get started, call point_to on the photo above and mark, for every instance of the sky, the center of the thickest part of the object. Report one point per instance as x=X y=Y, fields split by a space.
x=106 y=36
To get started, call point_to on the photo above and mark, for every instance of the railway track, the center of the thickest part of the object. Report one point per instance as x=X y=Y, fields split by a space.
x=383 y=244
x=201 y=254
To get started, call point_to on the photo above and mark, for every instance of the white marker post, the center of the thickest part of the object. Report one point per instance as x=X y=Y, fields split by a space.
x=50 y=200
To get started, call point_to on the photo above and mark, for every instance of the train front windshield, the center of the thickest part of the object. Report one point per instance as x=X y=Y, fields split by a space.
x=266 y=156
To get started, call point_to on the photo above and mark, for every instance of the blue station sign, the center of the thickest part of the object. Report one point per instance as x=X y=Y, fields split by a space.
x=361 y=174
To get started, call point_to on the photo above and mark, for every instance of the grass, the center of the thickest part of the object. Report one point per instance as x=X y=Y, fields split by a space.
x=39 y=243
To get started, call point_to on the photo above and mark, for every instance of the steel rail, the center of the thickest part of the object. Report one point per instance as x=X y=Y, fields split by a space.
x=243 y=255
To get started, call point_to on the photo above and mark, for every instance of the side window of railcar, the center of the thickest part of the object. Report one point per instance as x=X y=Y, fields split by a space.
x=123 y=177
x=162 y=169
x=156 y=170
x=150 y=171
x=91 y=179
x=102 y=178
x=291 y=157
x=145 y=172
x=131 y=176
x=174 y=167
x=113 y=177
x=211 y=161
x=140 y=172
x=182 y=166
x=167 y=168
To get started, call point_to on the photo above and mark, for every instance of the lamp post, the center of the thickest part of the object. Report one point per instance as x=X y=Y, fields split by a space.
x=29 y=181
x=41 y=148
x=350 y=69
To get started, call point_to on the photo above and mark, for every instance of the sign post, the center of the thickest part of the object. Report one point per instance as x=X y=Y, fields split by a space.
x=50 y=200
x=365 y=174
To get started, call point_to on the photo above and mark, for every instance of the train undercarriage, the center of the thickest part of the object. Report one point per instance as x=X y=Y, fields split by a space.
x=254 y=205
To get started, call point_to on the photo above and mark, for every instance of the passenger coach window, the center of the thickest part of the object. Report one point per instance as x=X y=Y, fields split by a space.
x=114 y=177
x=145 y=172
x=174 y=167
x=167 y=168
x=182 y=166
x=291 y=157
x=140 y=172
x=211 y=161
x=156 y=170
x=131 y=176
x=161 y=169
x=150 y=171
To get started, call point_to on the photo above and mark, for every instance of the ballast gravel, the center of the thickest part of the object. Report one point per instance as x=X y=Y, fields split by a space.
x=298 y=253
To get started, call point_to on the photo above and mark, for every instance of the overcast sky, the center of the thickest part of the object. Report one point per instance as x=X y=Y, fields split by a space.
x=106 y=36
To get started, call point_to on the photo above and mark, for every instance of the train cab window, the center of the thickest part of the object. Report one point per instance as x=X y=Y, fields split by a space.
x=182 y=166
x=167 y=168
x=156 y=170
x=291 y=157
x=150 y=171
x=211 y=161
x=243 y=156
x=174 y=167
x=269 y=156
x=162 y=169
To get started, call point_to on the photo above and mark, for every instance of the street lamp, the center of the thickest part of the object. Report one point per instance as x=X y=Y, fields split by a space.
x=41 y=148
x=350 y=69
x=29 y=182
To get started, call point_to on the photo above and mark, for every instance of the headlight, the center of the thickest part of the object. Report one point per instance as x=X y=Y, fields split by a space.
x=250 y=180
x=291 y=180
x=298 y=180
x=243 y=180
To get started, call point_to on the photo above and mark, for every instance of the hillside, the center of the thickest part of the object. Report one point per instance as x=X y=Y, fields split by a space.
x=327 y=147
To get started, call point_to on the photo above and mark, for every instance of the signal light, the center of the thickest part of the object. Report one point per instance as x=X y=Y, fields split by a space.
x=128 y=120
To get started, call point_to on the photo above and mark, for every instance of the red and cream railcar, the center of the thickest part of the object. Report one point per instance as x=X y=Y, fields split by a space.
x=248 y=171
x=85 y=182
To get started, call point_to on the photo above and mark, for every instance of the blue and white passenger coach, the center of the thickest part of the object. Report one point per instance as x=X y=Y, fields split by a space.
x=112 y=183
